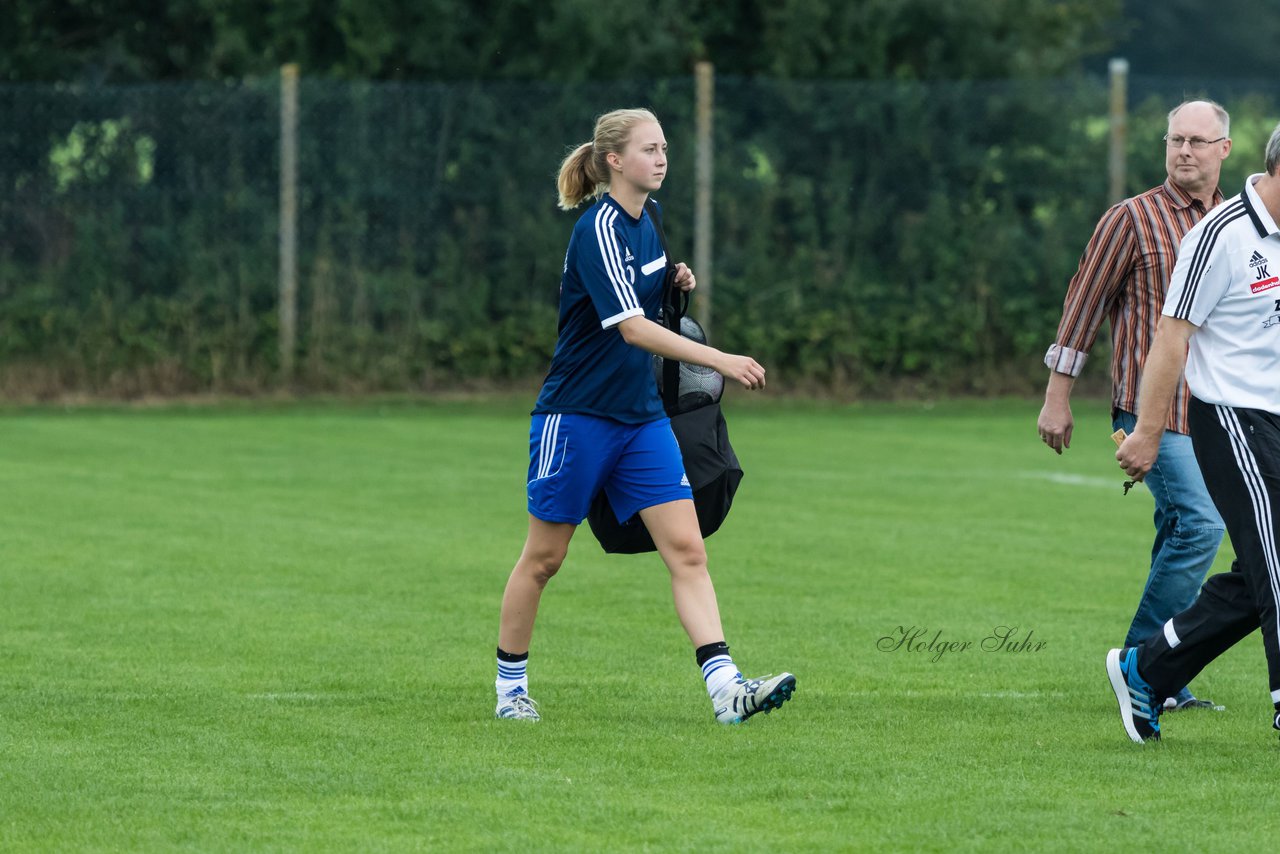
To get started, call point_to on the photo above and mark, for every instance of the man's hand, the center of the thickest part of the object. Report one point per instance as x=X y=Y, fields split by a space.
x=1160 y=376
x=1137 y=454
x=1055 y=424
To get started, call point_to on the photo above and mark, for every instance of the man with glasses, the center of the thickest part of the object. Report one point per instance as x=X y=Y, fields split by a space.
x=1123 y=275
x=1222 y=323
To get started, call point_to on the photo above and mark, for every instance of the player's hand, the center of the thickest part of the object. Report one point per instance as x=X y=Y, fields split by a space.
x=1137 y=454
x=744 y=369
x=684 y=278
x=1055 y=425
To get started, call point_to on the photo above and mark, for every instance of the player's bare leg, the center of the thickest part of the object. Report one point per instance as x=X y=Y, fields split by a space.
x=674 y=528
x=544 y=551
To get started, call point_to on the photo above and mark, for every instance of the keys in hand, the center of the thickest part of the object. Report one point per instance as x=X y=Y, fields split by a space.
x=1118 y=437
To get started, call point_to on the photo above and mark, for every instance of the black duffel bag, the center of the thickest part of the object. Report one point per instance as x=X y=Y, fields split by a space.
x=691 y=396
x=709 y=462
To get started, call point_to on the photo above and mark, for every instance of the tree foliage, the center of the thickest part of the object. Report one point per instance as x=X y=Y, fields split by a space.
x=902 y=186
x=120 y=41
x=1188 y=39
x=870 y=235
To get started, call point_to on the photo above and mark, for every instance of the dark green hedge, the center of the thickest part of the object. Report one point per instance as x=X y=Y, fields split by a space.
x=869 y=237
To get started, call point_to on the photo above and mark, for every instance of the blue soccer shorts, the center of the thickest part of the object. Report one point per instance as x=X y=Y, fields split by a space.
x=572 y=457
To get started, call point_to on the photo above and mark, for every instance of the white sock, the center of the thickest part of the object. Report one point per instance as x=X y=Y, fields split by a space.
x=513 y=677
x=719 y=671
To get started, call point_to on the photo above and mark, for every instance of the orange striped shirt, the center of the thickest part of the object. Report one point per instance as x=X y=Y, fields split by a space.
x=1123 y=275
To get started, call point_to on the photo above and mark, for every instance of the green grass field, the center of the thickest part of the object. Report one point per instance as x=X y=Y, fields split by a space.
x=272 y=628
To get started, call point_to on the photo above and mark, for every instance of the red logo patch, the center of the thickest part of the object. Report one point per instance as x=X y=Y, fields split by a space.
x=1265 y=285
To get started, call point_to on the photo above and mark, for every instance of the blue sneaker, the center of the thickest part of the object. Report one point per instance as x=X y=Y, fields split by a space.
x=1139 y=710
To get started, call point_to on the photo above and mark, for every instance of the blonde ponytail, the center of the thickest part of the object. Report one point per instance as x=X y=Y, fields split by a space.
x=579 y=177
x=584 y=173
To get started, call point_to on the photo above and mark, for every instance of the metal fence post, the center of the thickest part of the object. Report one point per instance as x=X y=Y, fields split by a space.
x=288 y=219
x=704 y=182
x=1118 y=70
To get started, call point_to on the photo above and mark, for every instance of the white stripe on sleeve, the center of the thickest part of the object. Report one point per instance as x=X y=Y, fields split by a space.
x=608 y=243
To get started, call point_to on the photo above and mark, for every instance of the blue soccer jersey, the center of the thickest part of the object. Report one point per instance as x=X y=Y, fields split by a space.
x=614 y=270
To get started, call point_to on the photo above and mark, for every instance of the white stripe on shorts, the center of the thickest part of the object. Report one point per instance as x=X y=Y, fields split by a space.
x=547 y=446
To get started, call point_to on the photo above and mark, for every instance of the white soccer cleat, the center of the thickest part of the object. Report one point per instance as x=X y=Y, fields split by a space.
x=742 y=698
x=518 y=707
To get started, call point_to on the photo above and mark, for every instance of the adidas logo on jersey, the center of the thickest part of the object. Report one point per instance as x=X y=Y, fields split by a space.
x=631 y=257
x=684 y=480
x=1264 y=281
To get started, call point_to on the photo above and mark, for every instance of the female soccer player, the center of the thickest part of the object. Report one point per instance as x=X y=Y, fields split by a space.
x=599 y=422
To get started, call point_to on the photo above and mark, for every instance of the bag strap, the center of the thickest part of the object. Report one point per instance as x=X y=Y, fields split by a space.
x=675 y=303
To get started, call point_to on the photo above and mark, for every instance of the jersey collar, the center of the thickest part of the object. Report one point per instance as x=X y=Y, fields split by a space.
x=1257 y=211
x=613 y=203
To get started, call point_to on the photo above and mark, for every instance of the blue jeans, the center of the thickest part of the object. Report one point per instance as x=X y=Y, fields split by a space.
x=1188 y=532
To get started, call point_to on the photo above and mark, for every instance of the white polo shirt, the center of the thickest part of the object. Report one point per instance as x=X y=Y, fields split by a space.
x=1227 y=282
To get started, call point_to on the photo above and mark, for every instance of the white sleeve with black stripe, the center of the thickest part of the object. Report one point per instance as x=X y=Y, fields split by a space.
x=1200 y=278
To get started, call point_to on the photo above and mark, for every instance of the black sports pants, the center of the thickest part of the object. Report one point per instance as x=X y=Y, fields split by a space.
x=1239 y=454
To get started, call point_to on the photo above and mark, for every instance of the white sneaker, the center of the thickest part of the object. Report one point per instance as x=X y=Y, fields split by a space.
x=742 y=698
x=518 y=706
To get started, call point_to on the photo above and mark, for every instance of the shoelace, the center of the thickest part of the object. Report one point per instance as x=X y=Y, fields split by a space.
x=522 y=704
x=750 y=686
x=752 y=690
x=753 y=684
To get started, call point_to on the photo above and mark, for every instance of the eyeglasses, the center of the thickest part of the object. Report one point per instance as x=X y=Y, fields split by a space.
x=1196 y=142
